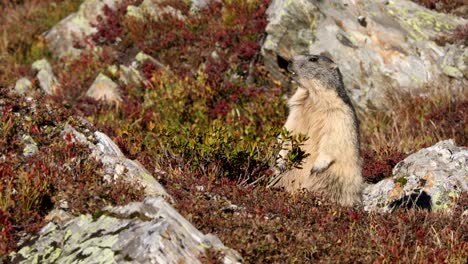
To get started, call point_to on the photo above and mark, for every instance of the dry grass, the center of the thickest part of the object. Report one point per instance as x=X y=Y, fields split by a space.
x=416 y=121
x=21 y=26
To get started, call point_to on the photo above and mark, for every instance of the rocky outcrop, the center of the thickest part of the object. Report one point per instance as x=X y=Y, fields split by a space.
x=432 y=178
x=378 y=45
x=147 y=232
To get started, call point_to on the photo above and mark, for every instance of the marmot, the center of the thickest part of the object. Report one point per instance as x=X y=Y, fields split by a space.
x=321 y=109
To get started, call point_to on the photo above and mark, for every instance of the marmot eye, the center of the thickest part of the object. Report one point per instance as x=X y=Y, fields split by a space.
x=313 y=59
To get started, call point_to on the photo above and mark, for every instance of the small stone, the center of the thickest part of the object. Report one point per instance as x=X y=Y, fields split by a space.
x=23 y=85
x=130 y=75
x=46 y=77
x=362 y=21
x=103 y=88
x=31 y=146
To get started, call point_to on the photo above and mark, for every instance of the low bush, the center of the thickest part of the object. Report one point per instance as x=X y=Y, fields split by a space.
x=59 y=169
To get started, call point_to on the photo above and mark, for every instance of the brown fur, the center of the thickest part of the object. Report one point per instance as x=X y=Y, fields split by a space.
x=326 y=116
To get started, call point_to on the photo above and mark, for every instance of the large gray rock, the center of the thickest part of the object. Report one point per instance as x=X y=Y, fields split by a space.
x=432 y=178
x=379 y=45
x=148 y=232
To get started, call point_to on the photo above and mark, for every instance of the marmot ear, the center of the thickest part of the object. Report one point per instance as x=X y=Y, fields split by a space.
x=333 y=66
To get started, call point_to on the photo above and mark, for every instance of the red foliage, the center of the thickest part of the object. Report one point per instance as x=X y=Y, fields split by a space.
x=443 y=5
x=6 y=231
x=216 y=40
x=110 y=26
x=375 y=170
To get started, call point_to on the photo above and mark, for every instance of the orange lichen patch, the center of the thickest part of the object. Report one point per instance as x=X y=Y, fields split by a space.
x=396 y=192
x=384 y=44
x=429 y=178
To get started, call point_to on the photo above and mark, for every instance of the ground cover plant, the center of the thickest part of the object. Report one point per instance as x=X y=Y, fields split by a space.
x=41 y=167
x=206 y=125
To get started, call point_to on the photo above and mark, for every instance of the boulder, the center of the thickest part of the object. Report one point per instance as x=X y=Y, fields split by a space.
x=61 y=39
x=432 y=178
x=143 y=232
x=379 y=45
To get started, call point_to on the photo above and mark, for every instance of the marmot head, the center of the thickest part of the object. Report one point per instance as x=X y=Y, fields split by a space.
x=316 y=71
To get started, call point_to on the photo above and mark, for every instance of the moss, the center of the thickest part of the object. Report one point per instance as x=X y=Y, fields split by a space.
x=402 y=181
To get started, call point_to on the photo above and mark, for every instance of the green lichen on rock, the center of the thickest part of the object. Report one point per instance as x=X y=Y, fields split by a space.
x=443 y=201
x=452 y=71
x=147 y=232
x=402 y=181
x=419 y=22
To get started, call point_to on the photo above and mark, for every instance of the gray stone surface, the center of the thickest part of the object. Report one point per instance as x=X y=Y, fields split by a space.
x=153 y=9
x=130 y=75
x=22 y=86
x=431 y=178
x=46 y=77
x=116 y=165
x=103 y=88
x=61 y=38
x=378 y=45
x=147 y=232
x=30 y=146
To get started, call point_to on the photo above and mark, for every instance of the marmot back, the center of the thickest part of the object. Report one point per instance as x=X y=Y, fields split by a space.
x=321 y=109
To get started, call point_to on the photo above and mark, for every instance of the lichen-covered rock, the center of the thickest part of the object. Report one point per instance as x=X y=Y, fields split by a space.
x=30 y=146
x=103 y=88
x=116 y=165
x=148 y=232
x=22 y=86
x=378 y=45
x=71 y=30
x=432 y=178
x=46 y=77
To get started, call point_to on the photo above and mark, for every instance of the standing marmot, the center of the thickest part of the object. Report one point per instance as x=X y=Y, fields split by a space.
x=321 y=109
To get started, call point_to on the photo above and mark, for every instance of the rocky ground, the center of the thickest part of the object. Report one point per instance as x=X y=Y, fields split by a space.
x=145 y=131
